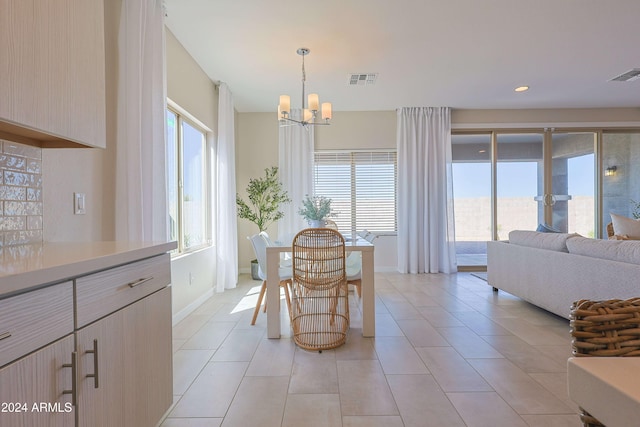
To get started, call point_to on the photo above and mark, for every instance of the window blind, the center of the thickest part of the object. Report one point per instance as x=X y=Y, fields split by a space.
x=362 y=186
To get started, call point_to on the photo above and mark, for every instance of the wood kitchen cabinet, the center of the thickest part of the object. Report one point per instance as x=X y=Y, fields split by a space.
x=39 y=379
x=32 y=387
x=52 y=65
x=129 y=383
x=124 y=344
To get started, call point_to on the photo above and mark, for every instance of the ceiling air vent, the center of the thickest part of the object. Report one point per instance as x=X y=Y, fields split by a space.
x=362 y=79
x=629 y=76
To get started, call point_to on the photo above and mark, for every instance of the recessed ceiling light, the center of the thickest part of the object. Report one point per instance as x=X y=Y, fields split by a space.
x=521 y=88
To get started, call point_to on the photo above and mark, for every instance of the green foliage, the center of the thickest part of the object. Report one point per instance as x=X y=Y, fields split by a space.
x=636 y=209
x=265 y=196
x=316 y=208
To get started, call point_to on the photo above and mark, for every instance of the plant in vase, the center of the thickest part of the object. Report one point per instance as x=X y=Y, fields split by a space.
x=635 y=206
x=316 y=210
x=265 y=197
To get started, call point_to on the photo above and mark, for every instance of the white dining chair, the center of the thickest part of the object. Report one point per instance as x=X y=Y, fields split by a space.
x=353 y=266
x=259 y=244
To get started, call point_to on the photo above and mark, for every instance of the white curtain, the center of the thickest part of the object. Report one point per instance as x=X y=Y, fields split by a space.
x=226 y=214
x=141 y=201
x=425 y=197
x=295 y=169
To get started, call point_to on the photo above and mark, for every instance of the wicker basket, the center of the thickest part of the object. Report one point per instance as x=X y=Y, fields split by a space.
x=604 y=329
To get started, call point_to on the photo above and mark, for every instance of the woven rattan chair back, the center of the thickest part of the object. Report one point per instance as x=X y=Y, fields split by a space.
x=319 y=297
x=604 y=329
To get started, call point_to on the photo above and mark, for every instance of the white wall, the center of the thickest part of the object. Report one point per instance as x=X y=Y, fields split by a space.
x=256 y=149
x=188 y=85
x=192 y=274
x=192 y=279
x=476 y=119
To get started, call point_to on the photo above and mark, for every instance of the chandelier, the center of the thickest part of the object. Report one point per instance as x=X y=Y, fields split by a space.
x=310 y=113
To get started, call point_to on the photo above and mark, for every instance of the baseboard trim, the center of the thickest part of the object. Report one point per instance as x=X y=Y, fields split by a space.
x=191 y=307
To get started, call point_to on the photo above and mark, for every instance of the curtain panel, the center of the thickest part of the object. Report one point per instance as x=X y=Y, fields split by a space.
x=295 y=169
x=425 y=196
x=141 y=186
x=225 y=205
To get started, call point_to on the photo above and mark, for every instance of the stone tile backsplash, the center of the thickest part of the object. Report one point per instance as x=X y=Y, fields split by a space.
x=20 y=193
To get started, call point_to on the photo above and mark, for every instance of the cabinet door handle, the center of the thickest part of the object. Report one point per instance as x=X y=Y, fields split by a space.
x=95 y=364
x=74 y=378
x=140 y=281
x=5 y=335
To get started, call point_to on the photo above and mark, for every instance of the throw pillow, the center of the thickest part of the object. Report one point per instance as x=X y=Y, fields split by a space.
x=545 y=228
x=626 y=226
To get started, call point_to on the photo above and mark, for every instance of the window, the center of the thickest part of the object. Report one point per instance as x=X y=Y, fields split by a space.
x=186 y=182
x=362 y=186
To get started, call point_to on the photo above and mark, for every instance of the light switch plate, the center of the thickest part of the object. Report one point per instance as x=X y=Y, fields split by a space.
x=79 y=206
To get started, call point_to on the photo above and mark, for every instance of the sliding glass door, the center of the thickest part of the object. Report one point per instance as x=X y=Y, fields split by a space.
x=505 y=181
x=519 y=182
x=472 y=197
x=573 y=181
x=620 y=176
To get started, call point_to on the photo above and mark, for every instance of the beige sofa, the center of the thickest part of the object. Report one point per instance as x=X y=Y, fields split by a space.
x=552 y=270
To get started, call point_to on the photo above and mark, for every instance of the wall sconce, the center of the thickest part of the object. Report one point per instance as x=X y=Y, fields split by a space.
x=610 y=171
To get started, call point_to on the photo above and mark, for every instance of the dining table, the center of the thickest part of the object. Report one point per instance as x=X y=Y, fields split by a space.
x=367 y=299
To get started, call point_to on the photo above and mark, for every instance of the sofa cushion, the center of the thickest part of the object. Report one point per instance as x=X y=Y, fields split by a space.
x=626 y=226
x=536 y=239
x=614 y=250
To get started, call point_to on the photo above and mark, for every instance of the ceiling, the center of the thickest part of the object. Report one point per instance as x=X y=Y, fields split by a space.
x=455 y=53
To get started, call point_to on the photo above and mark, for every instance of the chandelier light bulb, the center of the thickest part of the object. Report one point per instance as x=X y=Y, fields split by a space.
x=285 y=104
x=326 y=111
x=313 y=102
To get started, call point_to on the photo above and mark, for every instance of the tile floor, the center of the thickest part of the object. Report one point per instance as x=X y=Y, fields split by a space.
x=448 y=352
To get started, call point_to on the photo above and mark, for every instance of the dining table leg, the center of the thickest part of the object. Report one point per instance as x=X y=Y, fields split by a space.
x=273 y=294
x=368 y=295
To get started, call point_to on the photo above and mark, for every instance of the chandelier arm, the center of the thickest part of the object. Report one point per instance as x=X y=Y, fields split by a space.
x=305 y=124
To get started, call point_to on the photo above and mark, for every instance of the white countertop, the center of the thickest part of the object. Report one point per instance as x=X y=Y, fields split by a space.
x=607 y=388
x=26 y=266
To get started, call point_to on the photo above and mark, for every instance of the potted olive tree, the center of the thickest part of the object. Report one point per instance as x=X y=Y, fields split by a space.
x=263 y=208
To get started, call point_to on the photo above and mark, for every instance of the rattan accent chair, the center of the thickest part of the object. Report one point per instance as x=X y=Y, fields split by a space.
x=319 y=293
x=260 y=244
x=604 y=329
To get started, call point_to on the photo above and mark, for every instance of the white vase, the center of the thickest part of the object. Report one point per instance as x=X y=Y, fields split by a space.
x=317 y=223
